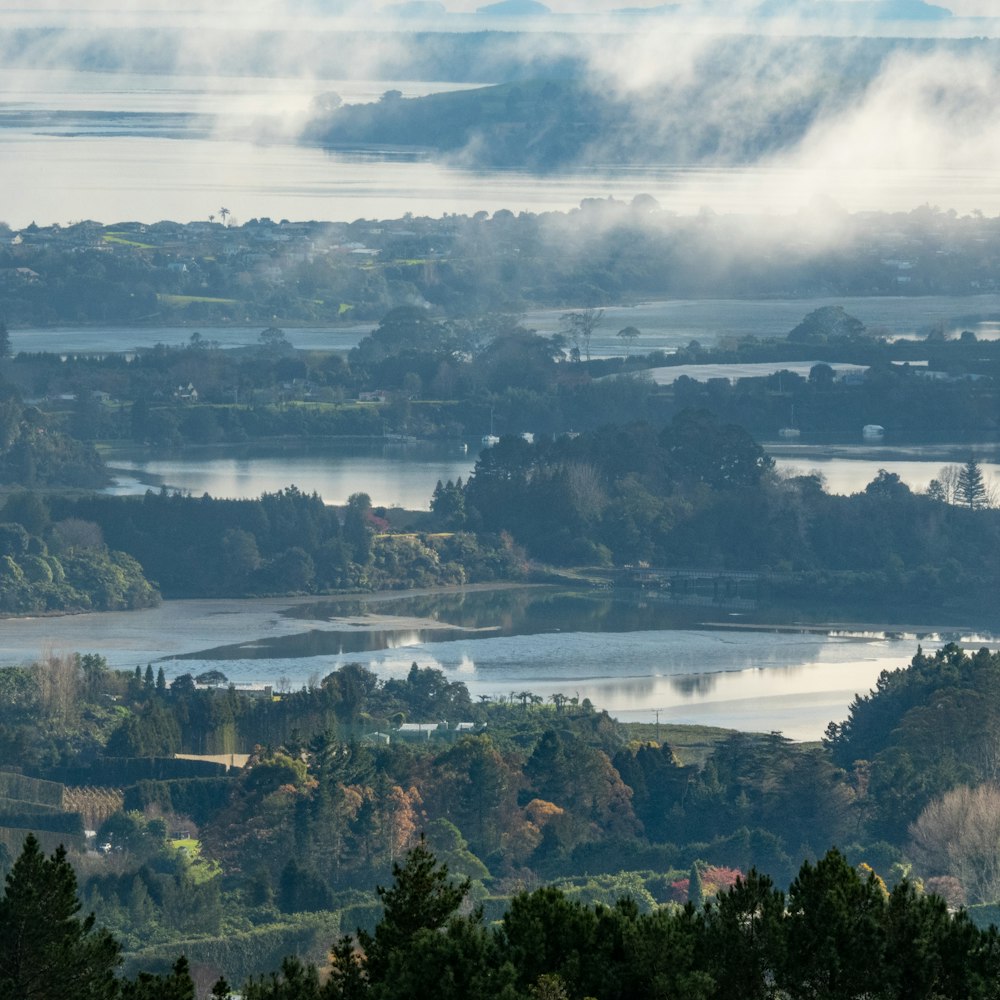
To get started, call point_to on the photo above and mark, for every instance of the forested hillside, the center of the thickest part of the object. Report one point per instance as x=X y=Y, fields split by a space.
x=237 y=867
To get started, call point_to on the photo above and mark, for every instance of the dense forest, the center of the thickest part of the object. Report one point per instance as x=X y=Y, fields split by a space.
x=420 y=376
x=696 y=493
x=836 y=932
x=238 y=866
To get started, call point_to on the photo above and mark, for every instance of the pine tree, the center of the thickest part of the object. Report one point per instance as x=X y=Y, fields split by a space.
x=971 y=490
x=423 y=896
x=5 y=349
x=221 y=990
x=177 y=986
x=46 y=950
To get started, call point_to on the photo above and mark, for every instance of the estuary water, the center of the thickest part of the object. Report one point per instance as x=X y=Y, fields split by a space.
x=404 y=474
x=125 y=146
x=638 y=659
x=392 y=474
x=664 y=325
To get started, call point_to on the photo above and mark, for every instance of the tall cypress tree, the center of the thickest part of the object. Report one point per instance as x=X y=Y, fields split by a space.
x=46 y=950
x=696 y=891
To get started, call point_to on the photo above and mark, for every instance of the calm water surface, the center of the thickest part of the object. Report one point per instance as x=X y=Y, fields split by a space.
x=663 y=325
x=113 y=147
x=404 y=475
x=393 y=475
x=634 y=658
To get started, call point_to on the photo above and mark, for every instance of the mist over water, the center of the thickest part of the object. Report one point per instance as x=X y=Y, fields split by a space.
x=131 y=111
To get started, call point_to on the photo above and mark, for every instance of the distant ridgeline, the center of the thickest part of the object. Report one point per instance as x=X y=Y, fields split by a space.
x=729 y=104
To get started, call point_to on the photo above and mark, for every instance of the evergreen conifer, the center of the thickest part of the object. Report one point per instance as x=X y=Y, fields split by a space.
x=46 y=950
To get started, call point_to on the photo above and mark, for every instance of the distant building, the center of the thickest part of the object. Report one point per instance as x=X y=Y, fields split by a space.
x=419 y=730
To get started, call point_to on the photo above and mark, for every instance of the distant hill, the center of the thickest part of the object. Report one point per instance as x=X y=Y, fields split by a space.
x=555 y=124
x=514 y=8
x=856 y=10
x=733 y=106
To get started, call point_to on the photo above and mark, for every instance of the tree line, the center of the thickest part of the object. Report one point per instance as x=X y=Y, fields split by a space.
x=836 y=933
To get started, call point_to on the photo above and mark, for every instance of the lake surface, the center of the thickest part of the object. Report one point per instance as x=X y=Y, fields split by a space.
x=404 y=475
x=848 y=469
x=393 y=475
x=756 y=671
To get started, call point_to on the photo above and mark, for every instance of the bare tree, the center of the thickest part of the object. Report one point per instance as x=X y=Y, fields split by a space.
x=58 y=682
x=958 y=834
x=579 y=328
x=948 y=478
x=586 y=489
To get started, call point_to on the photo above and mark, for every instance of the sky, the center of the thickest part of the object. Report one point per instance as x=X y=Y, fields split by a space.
x=960 y=8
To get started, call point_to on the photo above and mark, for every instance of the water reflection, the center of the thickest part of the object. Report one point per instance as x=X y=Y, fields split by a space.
x=396 y=474
x=691 y=685
x=390 y=473
x=636 y=658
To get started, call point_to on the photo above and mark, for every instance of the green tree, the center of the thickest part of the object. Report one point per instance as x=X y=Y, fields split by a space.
x=5 y=349
x=628 y=335
x=835 y=932
x=27 y=509
x=971 y=491
x=46 y=950
x=177 y=986
x=744 y=941
x=358 y=532
x=423 y=896
x=696 y=892
x=274 y=341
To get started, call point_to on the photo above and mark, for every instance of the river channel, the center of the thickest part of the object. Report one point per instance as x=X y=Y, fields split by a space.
x=639 y=658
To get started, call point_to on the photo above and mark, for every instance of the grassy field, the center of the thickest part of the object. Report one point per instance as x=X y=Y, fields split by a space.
x=122 y=241
x=183 y=300
x=691 y=744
